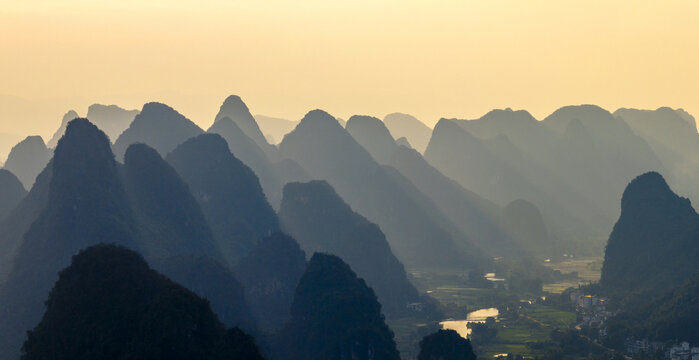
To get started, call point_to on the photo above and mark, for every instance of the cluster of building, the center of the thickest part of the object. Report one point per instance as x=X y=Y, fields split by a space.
x=593 y=310
x=681 y=351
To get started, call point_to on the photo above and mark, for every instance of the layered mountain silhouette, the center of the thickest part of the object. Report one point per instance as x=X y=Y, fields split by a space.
x=572 y=165
x=240 y=130
x=373 y=135
x=475 y=216
x=335 y=315
x=159 y=126
x=227 y=191
x=27 y=159
x=672 y=134
x=11 y=193
x=111 y=119
x=86 y=205
x=653 y=247
x=417 y=236
x=321 y=221
x=20 y=218
x=210 y=279
x=403 y=142
x=175 y=237
x=407 y=126
x=522 y=220
x=70 y=115
x=7 y=141
x=108 y=303
x=245 y=149
x=170 y=220
x=270 y=274
x=493 y=169
x=235 y=109
x=274 y=128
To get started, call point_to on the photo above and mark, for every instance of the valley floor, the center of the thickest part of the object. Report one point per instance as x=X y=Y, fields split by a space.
x=525 y=321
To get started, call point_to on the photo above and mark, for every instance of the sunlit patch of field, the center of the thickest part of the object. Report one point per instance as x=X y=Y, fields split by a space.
x=550 y=317
x=535 y=325
x=588 y=269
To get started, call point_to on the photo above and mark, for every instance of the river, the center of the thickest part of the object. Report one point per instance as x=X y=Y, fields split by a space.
x=461 y=326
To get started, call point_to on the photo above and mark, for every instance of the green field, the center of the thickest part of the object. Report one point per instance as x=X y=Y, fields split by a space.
x=534 y=324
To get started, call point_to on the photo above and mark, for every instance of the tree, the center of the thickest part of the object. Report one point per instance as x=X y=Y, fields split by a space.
x=445 y=345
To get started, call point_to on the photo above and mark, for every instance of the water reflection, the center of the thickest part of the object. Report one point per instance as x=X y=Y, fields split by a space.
x=461 y=326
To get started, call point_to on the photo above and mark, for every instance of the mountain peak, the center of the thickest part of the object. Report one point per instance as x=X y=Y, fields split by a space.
x=70 y=115
x=158 y=125
x=235 y=109
x=648 y=187
x=319 y=117
x=233 y=106
x=373 y=135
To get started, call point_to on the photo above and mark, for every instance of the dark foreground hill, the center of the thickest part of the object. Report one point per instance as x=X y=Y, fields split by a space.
x=335 y=315
x=654 y=246
x=109 y=304
x=86 y=205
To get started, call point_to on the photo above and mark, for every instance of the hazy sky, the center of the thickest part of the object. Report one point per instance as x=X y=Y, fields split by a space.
x=429 y=58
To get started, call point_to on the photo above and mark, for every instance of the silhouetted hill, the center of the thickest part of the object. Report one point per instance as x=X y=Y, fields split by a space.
x=475 y=216
x=17 y=222
x=335 y=315
x=70 y=115
x=213 y=281
x=555 y=164
x=403 y=142
x=86 y=205
x=624 y=154
x=445 y=345
x=111 y=119
x=27 y=159
x=522 y=220
x=159 y=126
x=247 y=151
x=373 y=135
x=417 y=236
x=322 y=222
x=653 y=247
x=404 y=125
x=497 y=170
x=235 y=109
x=673 y=136
x=175 y=237
x=228 y=192
x=270 y=274
x=11 y=193
x=169 y=218
x=274 y=127
x=109 y=304
x=7 y=141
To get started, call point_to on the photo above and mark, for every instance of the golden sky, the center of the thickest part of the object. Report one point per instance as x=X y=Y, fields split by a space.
x=431 y=59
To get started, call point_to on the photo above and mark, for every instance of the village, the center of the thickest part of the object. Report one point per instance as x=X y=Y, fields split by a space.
x=593 y=313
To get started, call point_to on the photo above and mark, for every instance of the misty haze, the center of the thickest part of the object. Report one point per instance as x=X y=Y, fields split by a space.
x=349 y=180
